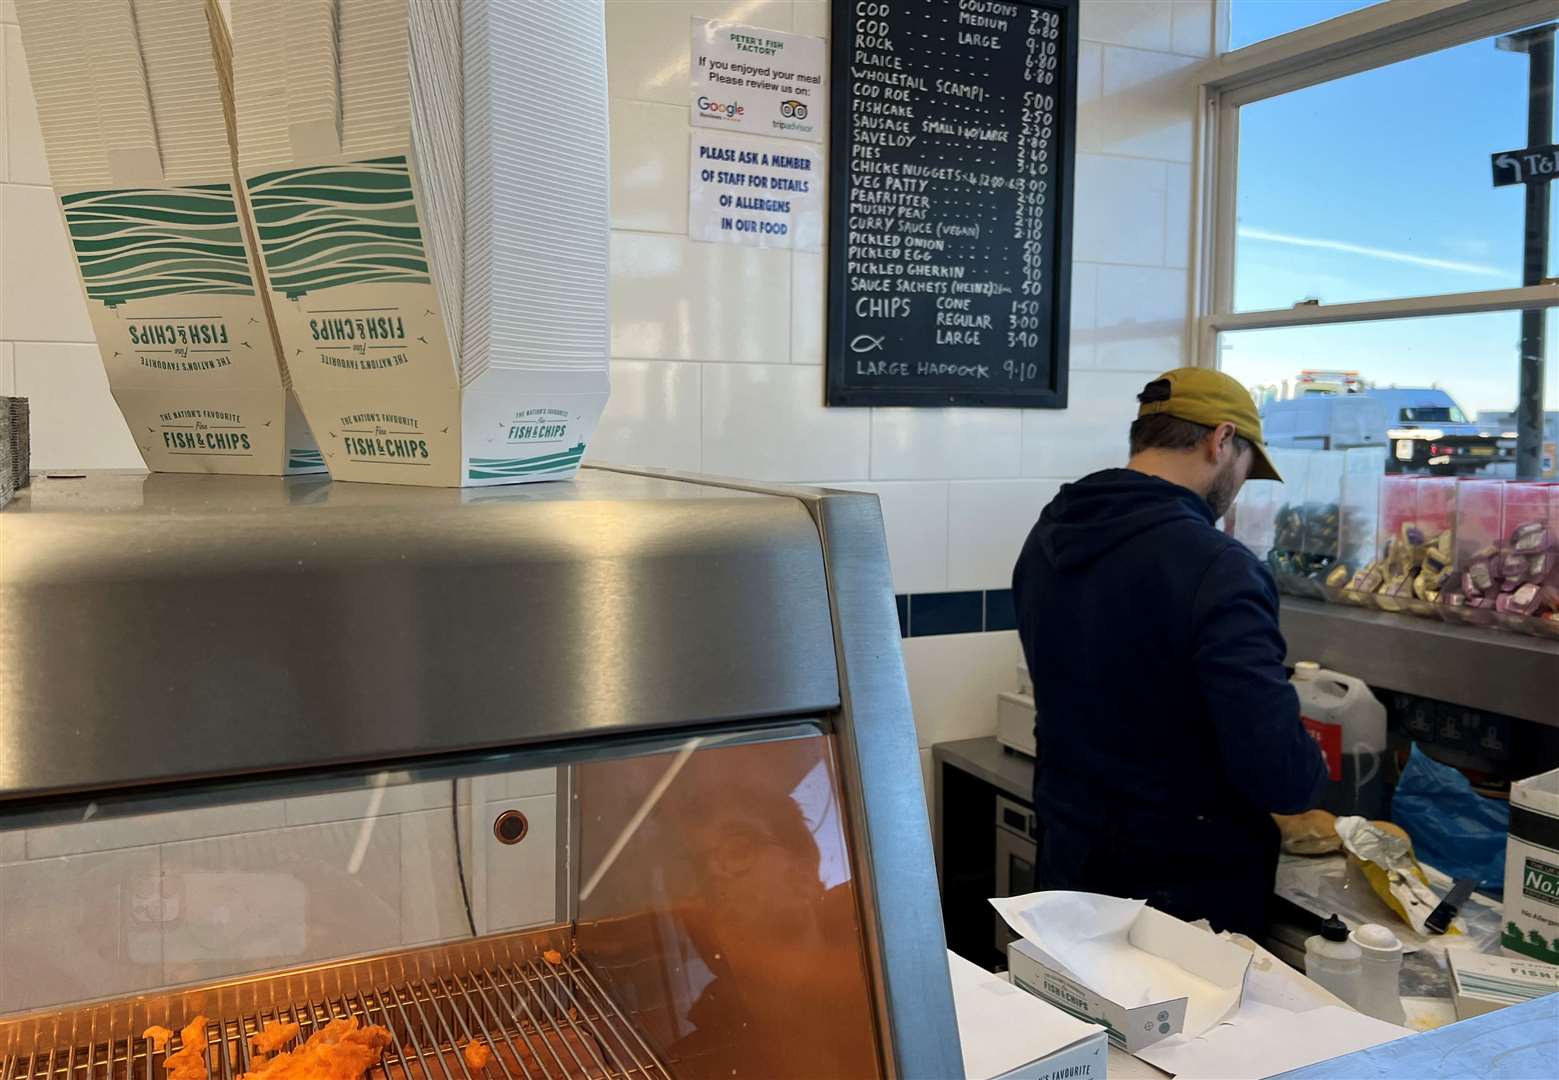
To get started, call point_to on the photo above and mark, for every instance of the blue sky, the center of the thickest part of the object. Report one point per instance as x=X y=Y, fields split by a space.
x=1378 y=186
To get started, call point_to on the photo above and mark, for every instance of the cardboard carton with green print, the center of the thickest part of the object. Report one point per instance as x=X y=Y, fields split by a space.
x=433 y=222
x=1532 y=870
x=134 y=100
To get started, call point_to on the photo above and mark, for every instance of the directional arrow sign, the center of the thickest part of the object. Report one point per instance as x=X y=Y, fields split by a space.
x=1534 y=165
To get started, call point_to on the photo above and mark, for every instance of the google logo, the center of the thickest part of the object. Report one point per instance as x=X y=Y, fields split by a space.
x=731 y=110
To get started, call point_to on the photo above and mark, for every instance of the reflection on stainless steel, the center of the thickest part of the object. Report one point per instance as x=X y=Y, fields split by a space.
x=379 y=623
x=720 y=923
x=881 y=766
x=539 y=1018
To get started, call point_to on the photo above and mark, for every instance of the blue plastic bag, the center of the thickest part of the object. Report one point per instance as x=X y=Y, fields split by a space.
x=1454 y=829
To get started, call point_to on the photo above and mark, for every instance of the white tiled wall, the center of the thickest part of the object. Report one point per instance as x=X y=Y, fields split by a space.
x=696 y=329
x=115 y=904
x=716 y=348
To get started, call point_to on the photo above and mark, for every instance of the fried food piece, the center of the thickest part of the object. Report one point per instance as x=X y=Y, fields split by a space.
x=341 y=1050
x=477 y=1055
x=189 y=1063
x=553 y=957
x=159 y=1036
x=274 y=1036
x=568 y=1055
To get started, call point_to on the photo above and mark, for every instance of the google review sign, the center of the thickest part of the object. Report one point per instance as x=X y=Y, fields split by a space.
x=758 y=81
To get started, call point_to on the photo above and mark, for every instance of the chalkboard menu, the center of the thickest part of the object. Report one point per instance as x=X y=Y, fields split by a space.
x=951 y=153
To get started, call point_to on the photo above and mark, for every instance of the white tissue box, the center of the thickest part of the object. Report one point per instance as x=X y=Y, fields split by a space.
x=1007 y=1034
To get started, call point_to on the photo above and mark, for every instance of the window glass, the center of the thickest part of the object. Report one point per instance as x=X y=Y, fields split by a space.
x=1438 y=413
x=1251 y=21
x=1378 y=185
x=1452 y=369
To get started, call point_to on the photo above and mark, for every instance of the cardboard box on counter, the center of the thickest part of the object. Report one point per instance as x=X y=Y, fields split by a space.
x=1531 y=917
x=134 y=99
x=1481 y=983
x=1007 y=1034
x=1166 y=941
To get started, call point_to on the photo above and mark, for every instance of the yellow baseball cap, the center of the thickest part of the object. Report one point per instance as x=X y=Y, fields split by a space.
x=1207 y=397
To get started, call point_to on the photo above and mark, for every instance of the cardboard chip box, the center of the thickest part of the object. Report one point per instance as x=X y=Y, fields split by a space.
x=1007 y=1034
x=134 y=100
x=1531 y=927
x=430 y=186
x=1204 y=958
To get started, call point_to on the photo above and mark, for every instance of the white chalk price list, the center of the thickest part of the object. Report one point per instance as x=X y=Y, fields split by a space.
x=1041 y=60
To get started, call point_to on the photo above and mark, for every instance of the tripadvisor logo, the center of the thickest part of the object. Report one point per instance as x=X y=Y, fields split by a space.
x=538 y=426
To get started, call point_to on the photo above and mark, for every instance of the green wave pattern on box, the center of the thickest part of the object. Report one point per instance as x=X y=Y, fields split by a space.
x=330 y=225
x=305 y=459
x=505 y=468
x=135 y=244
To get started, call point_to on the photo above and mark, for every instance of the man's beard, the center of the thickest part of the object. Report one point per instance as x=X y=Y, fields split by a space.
x=1221 y=495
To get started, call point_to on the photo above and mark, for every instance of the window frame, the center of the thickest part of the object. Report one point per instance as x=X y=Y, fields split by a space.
x=1374 y=37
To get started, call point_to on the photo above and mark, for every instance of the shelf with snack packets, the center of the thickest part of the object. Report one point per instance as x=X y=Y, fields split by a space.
x=1479 y=552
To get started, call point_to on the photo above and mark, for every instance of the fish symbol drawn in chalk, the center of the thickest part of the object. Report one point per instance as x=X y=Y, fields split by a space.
x=866 y=343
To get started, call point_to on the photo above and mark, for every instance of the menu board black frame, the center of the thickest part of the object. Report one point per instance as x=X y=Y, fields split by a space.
x=1035 y=375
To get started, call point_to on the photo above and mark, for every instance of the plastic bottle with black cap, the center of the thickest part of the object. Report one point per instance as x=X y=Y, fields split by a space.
x=1334 y=961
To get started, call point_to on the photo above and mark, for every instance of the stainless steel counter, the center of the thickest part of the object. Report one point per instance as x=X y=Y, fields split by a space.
x=1481 y=669
x=992 y=762
x=1517 y=1043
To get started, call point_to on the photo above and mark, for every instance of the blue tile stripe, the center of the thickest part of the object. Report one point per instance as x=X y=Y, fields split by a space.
x=941 y=613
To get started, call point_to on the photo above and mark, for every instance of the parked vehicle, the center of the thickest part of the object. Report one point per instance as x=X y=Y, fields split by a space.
x=1319 y=381
x=1423 y=428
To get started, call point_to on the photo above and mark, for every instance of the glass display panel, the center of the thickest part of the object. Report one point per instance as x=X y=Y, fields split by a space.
x=658 y=908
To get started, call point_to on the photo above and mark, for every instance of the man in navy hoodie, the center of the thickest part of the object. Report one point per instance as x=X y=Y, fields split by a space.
x=1167 y=730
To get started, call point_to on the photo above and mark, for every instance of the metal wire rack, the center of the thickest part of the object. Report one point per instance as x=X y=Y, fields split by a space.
x=541 y=1020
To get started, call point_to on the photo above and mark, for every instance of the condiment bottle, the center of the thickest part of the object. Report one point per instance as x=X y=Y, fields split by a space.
x=1334 y=961
x=1381 y=967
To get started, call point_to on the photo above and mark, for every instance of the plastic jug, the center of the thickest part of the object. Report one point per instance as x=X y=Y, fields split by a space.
x=1349 y=725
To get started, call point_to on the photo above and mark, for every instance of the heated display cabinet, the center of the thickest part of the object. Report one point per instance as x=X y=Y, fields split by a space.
x=615 y=778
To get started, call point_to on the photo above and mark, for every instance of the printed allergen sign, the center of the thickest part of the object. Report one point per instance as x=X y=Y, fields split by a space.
x=759 y=192
x=759 y=81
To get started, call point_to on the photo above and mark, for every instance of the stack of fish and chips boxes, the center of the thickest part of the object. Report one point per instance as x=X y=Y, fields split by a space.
x=429 y=182
x=7 y=470
x=135 y=102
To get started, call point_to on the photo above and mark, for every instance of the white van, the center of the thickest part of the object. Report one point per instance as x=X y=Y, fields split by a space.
x=1326 y=422
x=1424 y=428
